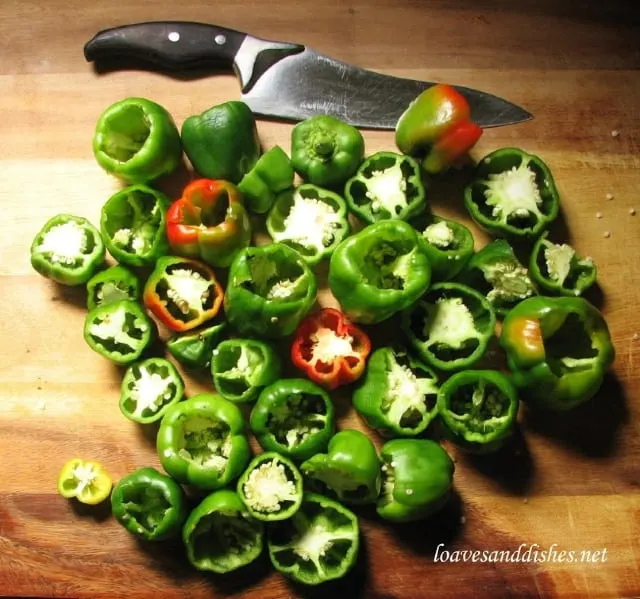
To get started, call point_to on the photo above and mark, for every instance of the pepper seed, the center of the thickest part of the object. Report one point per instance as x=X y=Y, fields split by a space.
x=632 y=211
x=607 y=234
x=609 y=196
x=598 y=214
x=615 y=133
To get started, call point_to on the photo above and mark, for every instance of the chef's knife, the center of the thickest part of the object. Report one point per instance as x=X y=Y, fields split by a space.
x=285 y=80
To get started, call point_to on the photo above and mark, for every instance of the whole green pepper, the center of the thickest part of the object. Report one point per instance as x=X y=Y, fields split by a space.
x=386 y=186
x=149 y=505
x=113 y=284
x=195 y=348
x=222 y=142
x=399 y=393
x=417 y=475
x=293 y=417
x=320 y=542
x=137 y=141
x=311 y=220
x=478 y=409
x=326 y=151
x=559 y=270
x=379 y=271
x=220 y=536
x=350 y=469
x=270 y=290
x=271 y=175
x=133 y=225
x=558 y=350
x=241 y=368
x=449 y=327
x=271 y=487
x=202 y=441
x=512 y=194
x=68 y=249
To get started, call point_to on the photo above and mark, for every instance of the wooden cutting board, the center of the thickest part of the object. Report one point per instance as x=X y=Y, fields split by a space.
x=570 y=482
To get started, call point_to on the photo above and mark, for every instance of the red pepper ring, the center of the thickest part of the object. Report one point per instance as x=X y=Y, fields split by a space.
x=329 y=349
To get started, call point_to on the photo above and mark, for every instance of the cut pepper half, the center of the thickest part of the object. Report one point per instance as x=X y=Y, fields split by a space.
x=195 y=348
x=85 y=481
x=448 y=245
x=113 y=284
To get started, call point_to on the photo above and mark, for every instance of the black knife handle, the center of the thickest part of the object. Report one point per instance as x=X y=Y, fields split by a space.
x=170 y=45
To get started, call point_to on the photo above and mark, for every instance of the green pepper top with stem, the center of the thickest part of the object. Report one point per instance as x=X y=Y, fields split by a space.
x=194 y=349
x=449 y=327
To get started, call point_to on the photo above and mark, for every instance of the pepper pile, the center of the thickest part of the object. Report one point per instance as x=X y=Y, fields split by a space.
x=297 y=497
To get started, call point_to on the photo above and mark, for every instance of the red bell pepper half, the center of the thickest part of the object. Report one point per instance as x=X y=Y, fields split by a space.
x=329 y=349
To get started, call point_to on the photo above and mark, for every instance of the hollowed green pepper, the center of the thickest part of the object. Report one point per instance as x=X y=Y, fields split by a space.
x=271 y=487
x=271 y=175
x=350 y=469
x=293 y=417
x=386 y=186
x=379 y=271
x=113 y=284
x=326 y=151
x=448 y=245
x=270 y=290
x=512 y=194
x=495 y=272
x=311 y=220
x=149 y=388
x=149 y=505
x=318 y=543
x=450 y=326
x=478 y=409
x=559 y=270
x=241 y=368
x=219 y=534
x=399 y=393
x=558 y=350
x=133 y=225
x=68 y=249
x=195 y=348
x=202 y=441
x=417 y=476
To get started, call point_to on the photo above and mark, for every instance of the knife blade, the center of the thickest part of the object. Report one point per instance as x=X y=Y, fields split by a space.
x=284 y=80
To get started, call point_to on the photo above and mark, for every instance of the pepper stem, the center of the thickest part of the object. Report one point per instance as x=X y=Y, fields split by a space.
x=323 y=145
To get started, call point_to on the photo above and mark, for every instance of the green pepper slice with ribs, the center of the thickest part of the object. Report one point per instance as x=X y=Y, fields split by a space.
x=113 y=284
x=399 y=393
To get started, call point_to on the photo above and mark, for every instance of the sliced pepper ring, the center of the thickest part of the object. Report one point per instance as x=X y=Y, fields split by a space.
x=311 y=220
x=85 y=481
x=113 y=284
x=448 y=245
x=149 y=388
x=318 y=543
x=450 y=326
x=329 y=349
x=478 y=409
x=271 y=487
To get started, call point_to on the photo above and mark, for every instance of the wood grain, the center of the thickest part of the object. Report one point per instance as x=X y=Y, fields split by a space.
x=572 y=480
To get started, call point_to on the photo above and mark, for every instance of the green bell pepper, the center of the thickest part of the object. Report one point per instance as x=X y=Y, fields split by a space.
x=399 y=393
x=270 y=290
x=149 y=505
x=350 y=469
x=68 y=249
x=512 y=194
x=202 y=441
x=149 y=388
x=271 y=175
x=495 y=272
x=326 y=151
x=195 y=348
x=478 y=409
x=386 y=186
x=558 y=350
x=113 y=284
x=222 y=142
x=293 y=417
x=319 y=543
x=134 y=227
x=241 y=368
x=220 y=536
x=137 y=141
x=417 y=476
x=120 y=331
x=85 y=481
x=311 y=220
x=379 y=271
x=271 y=487
x=448 y=245
x=559 y=270
x=450 y=326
